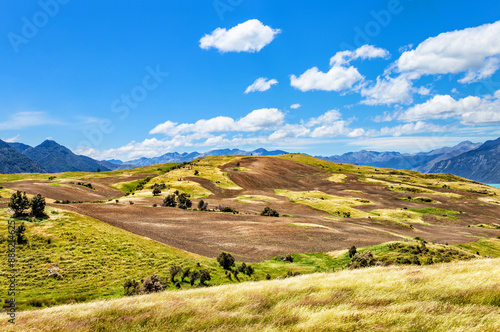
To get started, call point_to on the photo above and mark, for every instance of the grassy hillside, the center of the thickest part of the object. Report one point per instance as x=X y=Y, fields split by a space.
x=93 y=259
x=462 y=296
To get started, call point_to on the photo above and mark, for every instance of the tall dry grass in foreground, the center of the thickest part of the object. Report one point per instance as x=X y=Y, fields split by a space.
x=463 y=296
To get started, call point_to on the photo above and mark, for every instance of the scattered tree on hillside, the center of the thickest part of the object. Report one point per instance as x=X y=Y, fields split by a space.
x=352 y=252
x=196 y=172
x=202 y=205
x=204 y=276
x=184 y=201
x=38 y=206
x=269 y=212
x=226 y=260
x=169 y=201
x=156 y=191
x=20 y=236
x=19 y=202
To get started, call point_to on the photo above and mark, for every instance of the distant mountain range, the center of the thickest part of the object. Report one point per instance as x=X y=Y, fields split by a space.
x=49 y=157
x=175 y=157
x=421 y=162
x=475 y=161
x=481 y=164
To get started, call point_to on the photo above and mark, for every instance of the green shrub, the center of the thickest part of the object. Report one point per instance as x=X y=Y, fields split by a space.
x=269 y=212
x=226 y=260
x=169 y=201
x=204 y=277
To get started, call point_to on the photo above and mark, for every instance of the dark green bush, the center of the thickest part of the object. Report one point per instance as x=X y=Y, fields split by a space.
x=226 y=260
x=269 y=212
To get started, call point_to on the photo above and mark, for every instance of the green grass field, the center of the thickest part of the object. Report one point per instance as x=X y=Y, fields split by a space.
x=461 y=296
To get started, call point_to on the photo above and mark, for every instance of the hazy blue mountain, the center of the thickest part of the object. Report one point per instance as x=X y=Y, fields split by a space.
x=12 y=161
x=481 y=164
x=20 y=147
x=56 y=158
x=422 y=162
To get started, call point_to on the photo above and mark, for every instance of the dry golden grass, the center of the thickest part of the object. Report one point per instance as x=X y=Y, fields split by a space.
x=463 y=296
x=336 y=205
x=337 y=178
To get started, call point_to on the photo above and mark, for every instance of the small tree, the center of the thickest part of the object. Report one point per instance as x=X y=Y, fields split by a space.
x=269 y=212
x=202 y=205
x=156 y=191
x=196 y=172
x=38 y=206
x=20 y=236
x=184 y=201
x=226 y=260
x=204 y=276
x=19 y=202
x=352 y=252
x=169 y=201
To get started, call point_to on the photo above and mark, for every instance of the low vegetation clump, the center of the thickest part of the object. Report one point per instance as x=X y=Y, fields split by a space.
x=181 y=200
x=269 y=212
x=226 y=260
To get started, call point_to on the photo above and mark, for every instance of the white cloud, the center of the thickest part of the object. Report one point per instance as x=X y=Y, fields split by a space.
x=265 y=118
x=388 y=91
x=333 y=129
x=261 y=84
x=250 y=36
x=475 y=51
x=295 y=106
x=471 y=110
x=325 y=118
x=370 y=52
x=12 y=139
x=339 y=77
x=289 y=131
x=28 y=119
x=409 y=129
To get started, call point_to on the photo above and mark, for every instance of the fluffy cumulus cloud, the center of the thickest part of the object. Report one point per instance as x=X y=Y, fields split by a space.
x=289 y=131
x=295 y=106
x=388 y=91
x=475 y=51
x=265 y=118
x=250 y=36
x=261 y=84
x=471 y=110
x=325 y=118
x=341 y=76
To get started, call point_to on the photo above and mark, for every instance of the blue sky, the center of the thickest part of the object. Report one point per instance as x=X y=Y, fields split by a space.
x=326 y=77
